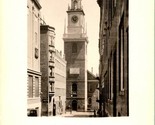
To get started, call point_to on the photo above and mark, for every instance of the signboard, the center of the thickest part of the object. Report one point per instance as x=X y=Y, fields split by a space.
x=74 y=71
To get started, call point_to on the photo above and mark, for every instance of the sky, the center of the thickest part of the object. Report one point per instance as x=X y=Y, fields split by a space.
x=54 y=14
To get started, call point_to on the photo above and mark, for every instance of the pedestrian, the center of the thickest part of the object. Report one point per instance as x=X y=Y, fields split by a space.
x=94 y=113
x=70 y=110
x=54 y=110
x=99 y=112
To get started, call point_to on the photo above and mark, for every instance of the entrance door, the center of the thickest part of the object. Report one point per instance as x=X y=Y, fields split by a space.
x=74 y=105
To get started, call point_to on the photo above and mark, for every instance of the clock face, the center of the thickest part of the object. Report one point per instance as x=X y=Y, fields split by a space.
x=74 y=19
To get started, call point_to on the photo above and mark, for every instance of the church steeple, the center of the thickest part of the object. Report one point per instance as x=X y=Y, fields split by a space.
x=76 y=20
x=76 y=5
x=75 y=49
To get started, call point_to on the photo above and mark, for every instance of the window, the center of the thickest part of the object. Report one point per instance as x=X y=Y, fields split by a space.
x=36 y=87
x=90 y=88
x=75 y=4
x=52 y=87
x=89 y=101
x=52 y=72
x=74 y=48
x=74 y=89
x=30 y=86
x=109 y=62
x=36 y=38
x=52 y=40
x=121 y=54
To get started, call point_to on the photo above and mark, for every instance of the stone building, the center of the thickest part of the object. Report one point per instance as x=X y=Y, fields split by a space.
x=53 y=80
x=33 y=56
x=93 y=92
x=114 y=57
x=47 y=47
x=60 y=82
x=75 y=49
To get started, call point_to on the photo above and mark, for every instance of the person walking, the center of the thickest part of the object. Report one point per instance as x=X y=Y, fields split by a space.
x=94 y=113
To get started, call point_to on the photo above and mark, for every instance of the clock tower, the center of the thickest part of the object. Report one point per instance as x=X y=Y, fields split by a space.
x=75 y=49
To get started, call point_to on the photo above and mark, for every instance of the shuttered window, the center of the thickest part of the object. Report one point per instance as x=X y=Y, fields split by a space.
x=30 y=86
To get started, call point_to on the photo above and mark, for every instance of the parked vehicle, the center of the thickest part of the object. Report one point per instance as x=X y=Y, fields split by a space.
x=32 y=112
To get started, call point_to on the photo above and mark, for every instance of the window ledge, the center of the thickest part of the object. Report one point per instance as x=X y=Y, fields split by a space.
x=33 y=98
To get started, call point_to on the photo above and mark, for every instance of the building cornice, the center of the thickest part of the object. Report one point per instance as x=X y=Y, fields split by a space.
x=46 y=28
x=75 y=11
x=34 y=72
x=66 y=39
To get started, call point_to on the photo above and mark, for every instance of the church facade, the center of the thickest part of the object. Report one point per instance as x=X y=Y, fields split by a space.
x=75 y=49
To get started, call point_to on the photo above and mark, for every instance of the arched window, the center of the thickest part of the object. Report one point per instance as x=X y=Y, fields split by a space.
x=74 y=48
x=75 y=4
x=74 y=89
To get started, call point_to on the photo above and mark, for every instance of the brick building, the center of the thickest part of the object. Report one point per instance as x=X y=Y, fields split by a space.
x=33 y=56
x=113 y=49
x=53 y=80
x=47 y=46
x=75 y=49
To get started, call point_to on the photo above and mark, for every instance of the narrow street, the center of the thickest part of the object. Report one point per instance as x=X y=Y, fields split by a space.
x=78 y=114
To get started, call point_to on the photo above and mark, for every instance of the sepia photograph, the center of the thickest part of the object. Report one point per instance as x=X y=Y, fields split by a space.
x=77 y=66
x=76 y=62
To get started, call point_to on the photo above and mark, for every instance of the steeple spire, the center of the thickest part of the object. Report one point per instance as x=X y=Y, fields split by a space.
x=68 y=7
x=65 y=26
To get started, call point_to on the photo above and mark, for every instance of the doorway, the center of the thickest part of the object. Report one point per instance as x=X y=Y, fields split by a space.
x=74 y=105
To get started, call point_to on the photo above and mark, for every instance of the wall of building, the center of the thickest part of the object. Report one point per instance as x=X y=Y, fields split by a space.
x=77 y=60
x=92 y=90
x=47 y=69
x=60 y=83
x=33 y=56
x=33 y=36
x=113 y=49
